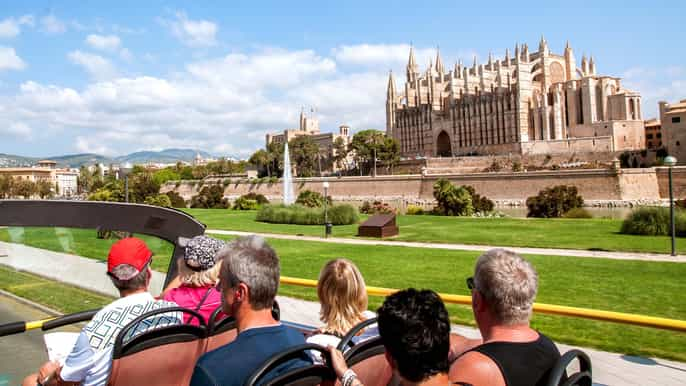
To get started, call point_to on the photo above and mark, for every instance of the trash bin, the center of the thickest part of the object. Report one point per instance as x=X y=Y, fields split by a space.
x=328 y=227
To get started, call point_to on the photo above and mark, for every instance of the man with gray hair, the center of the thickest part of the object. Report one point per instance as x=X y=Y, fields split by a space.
x=503 y=289
x=248 y=281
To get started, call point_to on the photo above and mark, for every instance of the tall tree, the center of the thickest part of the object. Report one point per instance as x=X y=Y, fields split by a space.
x=5 y=186
x=390 y=153
x=340 y=153
x=261 y=159
x=275 y=151
x=24 y=188
x=367 y=144
x=304 y=153
x=44 y=189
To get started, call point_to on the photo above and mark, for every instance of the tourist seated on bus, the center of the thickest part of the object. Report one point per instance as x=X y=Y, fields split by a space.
x=195 y=286
x=249 y=280
x=415 y=331
x=89 y=363
x=343 y=300
x=503 y=289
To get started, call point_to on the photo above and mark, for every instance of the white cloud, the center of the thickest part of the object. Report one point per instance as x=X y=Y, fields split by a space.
x=17 y=129
x=9 y=59
x=97 y=66
x=11 y=27
x=225 y=105
x=52 y=25
x=104 y=42
x=655 y=85
x=193 y=33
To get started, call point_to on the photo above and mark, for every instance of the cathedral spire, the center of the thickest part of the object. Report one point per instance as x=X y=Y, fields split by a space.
x=567 y=46
x=302 y=118
x=516 y=55
x=390 y=92
x=507 y=56
x=475 y=65
x=439 y=63
x=584 y=65
x=412 y=69
x=490 y=60
x=591 y=66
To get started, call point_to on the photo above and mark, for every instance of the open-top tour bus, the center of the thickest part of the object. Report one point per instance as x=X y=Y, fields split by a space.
x=167 y=355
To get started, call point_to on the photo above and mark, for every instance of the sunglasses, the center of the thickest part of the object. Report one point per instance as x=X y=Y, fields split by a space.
x=470 y=283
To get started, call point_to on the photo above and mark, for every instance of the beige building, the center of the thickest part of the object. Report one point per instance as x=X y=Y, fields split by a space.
x=530 y=103
x=66 y=180
x=653 y=134
x=673 y=119
x=309 y=125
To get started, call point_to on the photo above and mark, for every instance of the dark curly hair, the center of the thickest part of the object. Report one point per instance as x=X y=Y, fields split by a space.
x=415 y=330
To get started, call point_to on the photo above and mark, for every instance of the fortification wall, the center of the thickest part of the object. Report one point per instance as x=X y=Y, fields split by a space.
x=678 y=183
x=593 y=184
x=568 y=146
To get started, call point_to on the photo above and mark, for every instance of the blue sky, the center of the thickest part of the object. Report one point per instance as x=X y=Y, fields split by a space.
x=138 y=75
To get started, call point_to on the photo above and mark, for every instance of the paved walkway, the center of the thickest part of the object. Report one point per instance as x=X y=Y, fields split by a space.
x=467 y=247
x=608 y=368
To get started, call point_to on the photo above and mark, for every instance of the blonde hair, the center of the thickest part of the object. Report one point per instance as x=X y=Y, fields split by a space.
x=342 y=295
x=206 y=278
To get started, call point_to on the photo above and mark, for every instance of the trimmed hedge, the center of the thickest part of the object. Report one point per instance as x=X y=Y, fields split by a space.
x=578 y=213
x=554 y=202
x=654 y=221
x=297 y=214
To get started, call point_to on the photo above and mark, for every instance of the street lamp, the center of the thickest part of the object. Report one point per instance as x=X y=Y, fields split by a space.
x=124 y=170
x=327 y=225
x=670 y=161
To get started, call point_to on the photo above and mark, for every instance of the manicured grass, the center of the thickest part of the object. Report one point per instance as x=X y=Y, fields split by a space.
x=82 y=242
x=586 y=234
x=58 y=296
x=648 y=288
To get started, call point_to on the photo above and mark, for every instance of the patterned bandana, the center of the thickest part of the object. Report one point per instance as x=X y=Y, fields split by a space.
x=200 y=252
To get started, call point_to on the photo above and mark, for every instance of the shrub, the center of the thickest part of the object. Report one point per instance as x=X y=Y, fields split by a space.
x=480 y=203
x=273 y=179
x=310 y=199
x=452 y=200
x=517 y=166
x=210 y=198
x=226 y=182
x=297 y=214
x=377 y=207
x=680 y=203
x=176 y=200
x=652 y=220
x=578 y=213
x=413 y=210
x=261 y=199
x=554 y=202
x=243 y=203
x=158 y=200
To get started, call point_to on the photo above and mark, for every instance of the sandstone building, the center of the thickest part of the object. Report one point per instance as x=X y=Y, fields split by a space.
x=530 y=103
x=653 y=134
x=673 y=120
x=309 y=125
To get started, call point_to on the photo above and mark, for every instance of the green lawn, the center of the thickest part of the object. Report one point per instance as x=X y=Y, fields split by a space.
x=648 y=288
x=586 y=234
x=82 y=242
x=58 y=296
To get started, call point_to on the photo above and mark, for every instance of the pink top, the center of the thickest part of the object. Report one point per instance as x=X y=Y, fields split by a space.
x=189 y=297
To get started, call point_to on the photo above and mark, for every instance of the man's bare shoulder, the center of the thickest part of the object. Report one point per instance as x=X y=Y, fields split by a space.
x=476 y=369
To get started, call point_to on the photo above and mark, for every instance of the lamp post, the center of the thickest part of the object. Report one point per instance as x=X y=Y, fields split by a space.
x=670 y=161
x=327 y=225
x=125 y=169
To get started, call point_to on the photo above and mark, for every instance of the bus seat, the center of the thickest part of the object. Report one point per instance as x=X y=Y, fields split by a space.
x=220 y=331
x=314 y=374
x=160 y=356
x=584 y=377
x=347 y=341
x=368 y=361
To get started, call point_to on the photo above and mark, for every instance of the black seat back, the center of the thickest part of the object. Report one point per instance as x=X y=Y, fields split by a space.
x=347 y=341
x=368 y=361
x=160 y=356
x=314 y=374
x=584 y=377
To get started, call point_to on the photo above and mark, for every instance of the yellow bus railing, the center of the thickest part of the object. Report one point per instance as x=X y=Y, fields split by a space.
x=551 y=309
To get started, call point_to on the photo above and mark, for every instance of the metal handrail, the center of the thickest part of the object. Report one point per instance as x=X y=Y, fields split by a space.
x=550 y=309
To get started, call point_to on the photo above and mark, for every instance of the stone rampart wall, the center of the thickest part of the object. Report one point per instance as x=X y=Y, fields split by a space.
x=678 y=183
x=593 y=185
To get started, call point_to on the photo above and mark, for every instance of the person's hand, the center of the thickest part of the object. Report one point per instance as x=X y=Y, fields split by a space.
x=337 y=361
x=48 y=370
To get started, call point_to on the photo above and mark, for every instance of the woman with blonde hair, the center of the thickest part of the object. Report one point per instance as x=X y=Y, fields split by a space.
x=343 y=298
x=194 y=287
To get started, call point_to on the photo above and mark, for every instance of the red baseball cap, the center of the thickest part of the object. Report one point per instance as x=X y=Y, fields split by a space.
x=130 y=251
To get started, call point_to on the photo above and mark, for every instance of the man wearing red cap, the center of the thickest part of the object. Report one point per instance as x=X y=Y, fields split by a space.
x=128 y=266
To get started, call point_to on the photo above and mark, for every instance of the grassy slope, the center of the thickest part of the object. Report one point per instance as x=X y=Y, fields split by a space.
x=587 y=234
x=627 y=286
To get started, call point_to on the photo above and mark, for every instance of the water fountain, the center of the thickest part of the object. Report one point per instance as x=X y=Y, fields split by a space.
x=288 y=198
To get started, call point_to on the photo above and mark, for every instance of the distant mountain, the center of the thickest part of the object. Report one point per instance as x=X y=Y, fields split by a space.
x=141 y=157
x=163 y=156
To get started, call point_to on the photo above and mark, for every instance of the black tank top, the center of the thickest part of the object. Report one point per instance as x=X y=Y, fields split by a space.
x=522 y=364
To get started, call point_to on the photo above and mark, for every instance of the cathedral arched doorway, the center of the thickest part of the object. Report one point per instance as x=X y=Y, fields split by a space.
x=443 y=147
